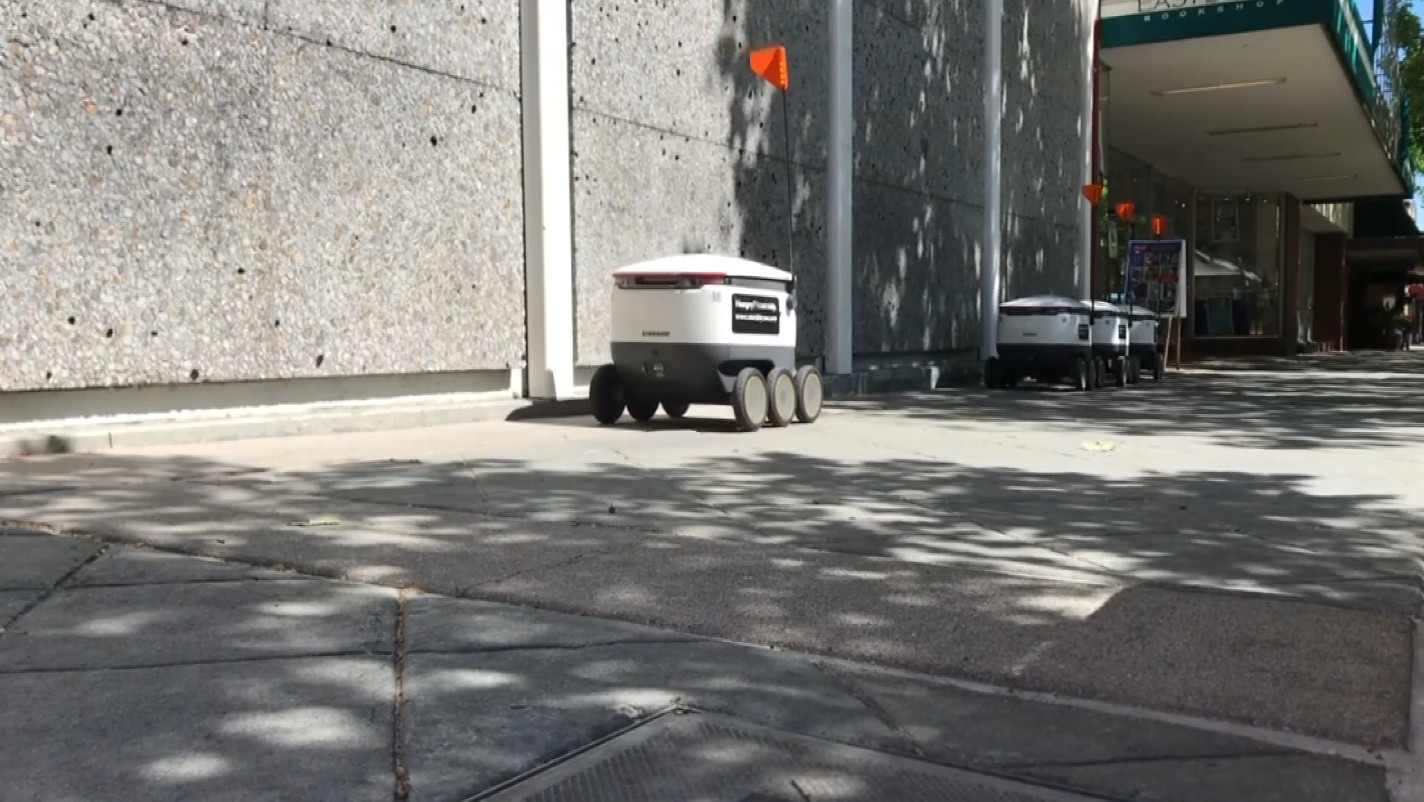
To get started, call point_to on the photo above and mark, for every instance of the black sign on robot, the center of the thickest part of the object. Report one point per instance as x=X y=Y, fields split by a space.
x=756 y=314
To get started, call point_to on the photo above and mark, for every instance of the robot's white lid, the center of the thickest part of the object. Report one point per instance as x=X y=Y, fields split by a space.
x=704 y=264
x=1107 y=306
x=1045 y=303
x=1142 y=313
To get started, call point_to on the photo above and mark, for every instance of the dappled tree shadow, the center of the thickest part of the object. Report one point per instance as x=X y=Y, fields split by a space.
x=231 y=682
x=1036 y=579
x=227 y=681
x=1345 y=402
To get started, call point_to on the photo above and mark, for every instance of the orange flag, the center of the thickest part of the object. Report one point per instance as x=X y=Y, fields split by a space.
x=770 y=64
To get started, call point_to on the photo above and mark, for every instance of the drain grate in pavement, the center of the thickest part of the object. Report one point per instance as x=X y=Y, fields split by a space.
x=705 y=757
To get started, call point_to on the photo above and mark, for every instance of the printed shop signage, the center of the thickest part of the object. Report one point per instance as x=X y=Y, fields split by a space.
x=1151 y=10
x=1155 y=269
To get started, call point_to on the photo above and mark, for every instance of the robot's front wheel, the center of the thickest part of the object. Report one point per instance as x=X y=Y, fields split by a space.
x=1120 y=371
x=809 y=394
x=605 y=395
x=675 y=409
x=782 y=407
x=749 y=399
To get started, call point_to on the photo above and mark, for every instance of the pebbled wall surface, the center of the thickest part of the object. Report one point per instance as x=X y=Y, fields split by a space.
x=677 y=148
x=212 y=190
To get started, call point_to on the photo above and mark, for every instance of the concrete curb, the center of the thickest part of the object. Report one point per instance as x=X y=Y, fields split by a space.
x=90 y=435
x=179 y=428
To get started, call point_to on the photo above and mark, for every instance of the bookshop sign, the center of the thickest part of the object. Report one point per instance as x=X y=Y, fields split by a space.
x=1135 y=22
x=1165 y=10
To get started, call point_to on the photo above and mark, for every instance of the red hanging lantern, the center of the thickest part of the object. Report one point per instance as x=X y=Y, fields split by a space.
x=1125 y=210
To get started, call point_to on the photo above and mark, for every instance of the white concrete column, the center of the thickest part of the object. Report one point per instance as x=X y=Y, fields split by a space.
x=1089 y=16
x=548 y=206
x=993 y=152
x=839 y=245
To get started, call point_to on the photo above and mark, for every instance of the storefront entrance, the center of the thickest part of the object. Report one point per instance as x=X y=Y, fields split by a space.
x=1250 y=266
x=1237 y=279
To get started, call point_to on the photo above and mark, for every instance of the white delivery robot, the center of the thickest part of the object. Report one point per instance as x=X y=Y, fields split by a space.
x=1110 y=343
x=1142 y=343
x=1045 y=337
x=705 y=329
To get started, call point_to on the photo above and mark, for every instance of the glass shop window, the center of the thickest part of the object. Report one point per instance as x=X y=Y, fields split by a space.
x=1236 y=272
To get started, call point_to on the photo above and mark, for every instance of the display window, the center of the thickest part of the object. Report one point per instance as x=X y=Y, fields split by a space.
x=1236 y=265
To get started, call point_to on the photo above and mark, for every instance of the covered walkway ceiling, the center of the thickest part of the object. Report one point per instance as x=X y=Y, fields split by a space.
x=1261 y=110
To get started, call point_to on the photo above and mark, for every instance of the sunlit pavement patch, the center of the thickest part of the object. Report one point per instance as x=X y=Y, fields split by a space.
x=720 y=759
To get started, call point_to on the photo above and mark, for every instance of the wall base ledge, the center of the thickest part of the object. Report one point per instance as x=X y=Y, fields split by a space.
x=104 y=433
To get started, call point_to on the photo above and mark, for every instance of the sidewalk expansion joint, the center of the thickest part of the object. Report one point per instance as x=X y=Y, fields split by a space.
x=564 y=647
x=1117 y=761
x=35 y=491
x=47 y=594
x=304 y=571
x=1284 y=739
x=221 y=661
x=166 y=583
x=485 y=513
x=577 y=558
x=402 y=774
x=866 y=700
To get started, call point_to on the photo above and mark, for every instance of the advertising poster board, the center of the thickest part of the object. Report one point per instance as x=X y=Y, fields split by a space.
x=1156 y=271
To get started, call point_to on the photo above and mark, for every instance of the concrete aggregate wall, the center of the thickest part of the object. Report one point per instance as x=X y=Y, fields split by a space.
x=214 y=190
x=678 y=148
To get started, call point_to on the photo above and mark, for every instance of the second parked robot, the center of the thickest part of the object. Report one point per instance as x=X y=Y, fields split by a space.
x=1110 y=344
x=1145 y=352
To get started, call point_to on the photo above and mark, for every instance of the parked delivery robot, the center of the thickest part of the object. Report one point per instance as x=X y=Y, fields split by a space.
x=1111 y=344
x=1044 y=337
x=705 y=329
x=1146 y=353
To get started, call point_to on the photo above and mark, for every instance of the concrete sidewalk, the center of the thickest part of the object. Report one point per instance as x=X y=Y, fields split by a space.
x=139 y=674
x=1226 y=555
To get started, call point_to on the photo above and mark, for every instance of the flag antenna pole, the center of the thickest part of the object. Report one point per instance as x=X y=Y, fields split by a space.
x=769 y=64
x=790 y=184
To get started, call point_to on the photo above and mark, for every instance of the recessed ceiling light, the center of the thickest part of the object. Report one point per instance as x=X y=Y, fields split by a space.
x=1191 y=90
x=1264 y=129
x=1290 y=157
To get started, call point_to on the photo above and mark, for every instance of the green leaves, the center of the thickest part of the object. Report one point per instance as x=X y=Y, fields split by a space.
x=1409 y=33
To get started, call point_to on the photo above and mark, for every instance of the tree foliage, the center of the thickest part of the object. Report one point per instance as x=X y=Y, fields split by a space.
x=1409 y=34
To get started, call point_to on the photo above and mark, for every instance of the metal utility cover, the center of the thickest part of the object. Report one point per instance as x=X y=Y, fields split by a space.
x=704 y=757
